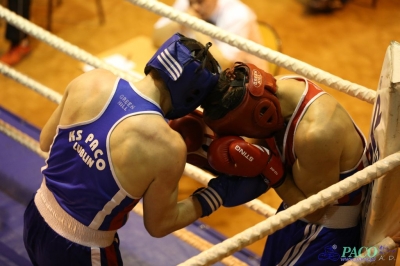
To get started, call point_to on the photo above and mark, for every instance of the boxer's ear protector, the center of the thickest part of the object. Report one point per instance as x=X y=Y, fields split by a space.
x=258 y=115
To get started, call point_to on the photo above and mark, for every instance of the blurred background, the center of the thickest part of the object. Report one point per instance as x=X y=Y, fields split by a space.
x=349 y=42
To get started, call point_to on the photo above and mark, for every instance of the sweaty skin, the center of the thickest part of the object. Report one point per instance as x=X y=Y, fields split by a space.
x=148 y=156
x=326 y=143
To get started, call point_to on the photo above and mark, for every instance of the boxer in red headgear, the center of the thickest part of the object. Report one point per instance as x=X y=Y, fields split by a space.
x=320 y=146
x=257 y=102
x=249 y=108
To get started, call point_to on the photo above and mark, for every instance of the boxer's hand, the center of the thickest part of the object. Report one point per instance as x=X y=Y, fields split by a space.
x=197 y=137
x=229 y=191
x=234 y=156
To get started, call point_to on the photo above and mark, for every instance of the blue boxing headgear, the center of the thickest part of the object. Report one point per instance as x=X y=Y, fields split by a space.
x=189 y=71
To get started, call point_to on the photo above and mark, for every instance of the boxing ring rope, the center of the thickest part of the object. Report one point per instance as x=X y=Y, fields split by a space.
x=270 y=55
x=30 y=83
x=22 y=138
x=275 y=222
x=295 y=212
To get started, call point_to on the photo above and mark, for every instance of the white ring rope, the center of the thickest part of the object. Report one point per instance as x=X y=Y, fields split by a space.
x=277 y=221
x=297 y=211
x=30 y=83
x=270 y=55
x=22 y=138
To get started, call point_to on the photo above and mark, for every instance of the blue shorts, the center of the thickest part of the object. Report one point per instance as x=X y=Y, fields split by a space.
x=302 y=243
x=46 y=248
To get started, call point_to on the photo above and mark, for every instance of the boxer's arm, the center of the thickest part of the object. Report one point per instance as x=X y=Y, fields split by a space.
x=318 y=161
x=163 y=214
x=316 y=168
x=289 y=192
x=49 y=129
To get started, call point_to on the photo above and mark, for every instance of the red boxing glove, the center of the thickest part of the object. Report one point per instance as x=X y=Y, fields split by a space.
x=234 y=156
x=197 y=137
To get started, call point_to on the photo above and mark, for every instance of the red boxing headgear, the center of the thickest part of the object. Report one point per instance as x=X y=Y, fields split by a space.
x=259 y=113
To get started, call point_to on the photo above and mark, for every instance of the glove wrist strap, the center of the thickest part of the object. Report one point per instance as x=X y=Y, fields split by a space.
x=209 y=200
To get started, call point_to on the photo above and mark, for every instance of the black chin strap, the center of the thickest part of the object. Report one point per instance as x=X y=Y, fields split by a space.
x=202 y=56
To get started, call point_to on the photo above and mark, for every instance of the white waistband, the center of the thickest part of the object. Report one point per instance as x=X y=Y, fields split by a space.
x=65 y=225
x=339 y=217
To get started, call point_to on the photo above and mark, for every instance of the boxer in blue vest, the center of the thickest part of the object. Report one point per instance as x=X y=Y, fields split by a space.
x=110 y=146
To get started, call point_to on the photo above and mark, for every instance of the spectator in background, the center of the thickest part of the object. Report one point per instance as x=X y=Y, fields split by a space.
x=19 y=42
x=326 y=6
x=230 y=15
